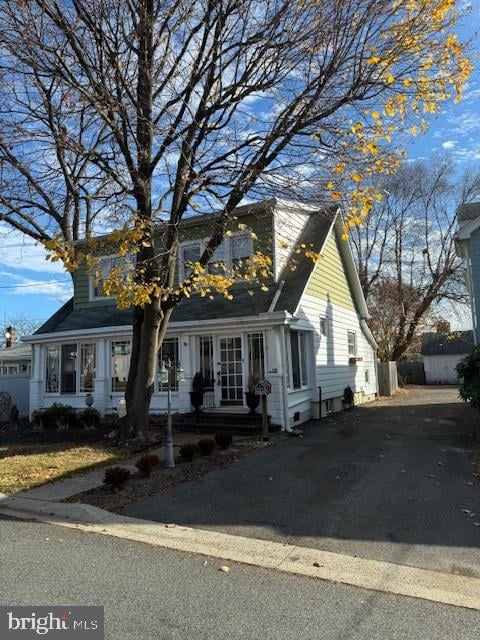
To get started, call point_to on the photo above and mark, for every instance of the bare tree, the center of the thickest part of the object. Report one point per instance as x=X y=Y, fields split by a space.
x=405 y=251
x=152 y=114
x=23 y=323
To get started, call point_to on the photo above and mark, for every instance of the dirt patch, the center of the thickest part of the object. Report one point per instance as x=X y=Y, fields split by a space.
x=139 y=487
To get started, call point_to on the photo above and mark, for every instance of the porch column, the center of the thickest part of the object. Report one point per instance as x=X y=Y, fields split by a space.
x=186 y=345
x=102 y=372
x=37 y=380
x=275 y=368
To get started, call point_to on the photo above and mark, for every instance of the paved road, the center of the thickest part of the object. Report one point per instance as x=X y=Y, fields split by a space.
x=387 y=481
x=154 y=594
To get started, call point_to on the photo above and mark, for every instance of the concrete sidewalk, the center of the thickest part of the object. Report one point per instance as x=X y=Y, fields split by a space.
x=459 y=591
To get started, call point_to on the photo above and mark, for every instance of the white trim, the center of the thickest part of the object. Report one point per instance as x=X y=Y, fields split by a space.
x=466 y=231
x=276 y=296
x=262 y=319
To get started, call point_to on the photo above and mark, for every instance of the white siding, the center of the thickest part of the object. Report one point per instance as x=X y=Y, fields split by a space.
x=288 y=225
x=334 y=372
x=441 y=369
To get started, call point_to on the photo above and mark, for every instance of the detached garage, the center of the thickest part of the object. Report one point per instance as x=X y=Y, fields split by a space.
x=442 y=352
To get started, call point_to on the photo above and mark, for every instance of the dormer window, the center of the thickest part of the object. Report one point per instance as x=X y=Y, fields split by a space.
x=105 y=264
x=220 y=259
x=242 y=249
x=189 y=254
x=232 y=252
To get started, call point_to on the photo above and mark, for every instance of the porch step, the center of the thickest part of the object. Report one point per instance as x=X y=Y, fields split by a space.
x=232 y=422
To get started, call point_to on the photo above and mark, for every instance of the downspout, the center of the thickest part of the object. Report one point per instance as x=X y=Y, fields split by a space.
x=283 y=351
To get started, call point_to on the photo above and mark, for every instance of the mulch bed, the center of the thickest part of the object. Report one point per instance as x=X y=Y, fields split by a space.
x=139 y=487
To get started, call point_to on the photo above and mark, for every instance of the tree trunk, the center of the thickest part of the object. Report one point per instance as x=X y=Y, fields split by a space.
x=150 y=325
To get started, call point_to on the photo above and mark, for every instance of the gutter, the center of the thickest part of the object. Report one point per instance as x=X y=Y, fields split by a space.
x=262 y=319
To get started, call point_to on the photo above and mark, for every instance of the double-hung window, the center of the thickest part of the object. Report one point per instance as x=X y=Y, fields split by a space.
x=241 y=250
x=299 y=363
x=189 y=254
x=352 y=343
x=70 y=368
x=104 y=268
x=219 y=262
x=233 y=251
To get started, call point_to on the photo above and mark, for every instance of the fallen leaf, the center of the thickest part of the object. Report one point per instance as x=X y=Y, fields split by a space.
x=317 y=564
x=170 y=525
x=469 y=484
x=476 y=524
x=224 y=568
x=440 y=464
x=467 y=511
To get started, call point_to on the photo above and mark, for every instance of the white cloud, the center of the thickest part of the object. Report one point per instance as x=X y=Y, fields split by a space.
x=19 y=252
x=449 y=144
x=58 y=289
x=464 y=123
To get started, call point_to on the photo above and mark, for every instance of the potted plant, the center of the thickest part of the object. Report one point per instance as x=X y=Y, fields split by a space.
x=196 y=394
x=250 y=396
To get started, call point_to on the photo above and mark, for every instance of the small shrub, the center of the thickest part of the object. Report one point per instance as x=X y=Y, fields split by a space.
x=468 y=371
x=89 y=418
x=188 y=450
x=116 y=477
x=147 y=463
x=223 y=440
x=206 y=446
x=57 y=416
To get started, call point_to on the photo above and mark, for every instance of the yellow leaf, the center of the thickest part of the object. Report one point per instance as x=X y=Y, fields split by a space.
x=357 y=177
x=336 y=196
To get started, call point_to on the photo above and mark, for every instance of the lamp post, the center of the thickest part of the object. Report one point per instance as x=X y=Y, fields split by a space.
x=168 y=366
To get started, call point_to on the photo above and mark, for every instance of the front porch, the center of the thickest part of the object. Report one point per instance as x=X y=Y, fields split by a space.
x=226 y=356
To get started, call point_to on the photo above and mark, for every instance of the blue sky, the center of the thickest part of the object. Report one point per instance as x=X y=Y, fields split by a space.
x=33 y=287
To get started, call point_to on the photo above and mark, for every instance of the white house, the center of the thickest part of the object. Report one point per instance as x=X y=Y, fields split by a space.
x=307 y=334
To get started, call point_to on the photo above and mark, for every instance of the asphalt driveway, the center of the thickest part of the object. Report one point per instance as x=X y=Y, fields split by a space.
x=390 y=481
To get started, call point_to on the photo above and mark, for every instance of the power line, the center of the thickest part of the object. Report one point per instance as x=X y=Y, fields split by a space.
x=35 y=284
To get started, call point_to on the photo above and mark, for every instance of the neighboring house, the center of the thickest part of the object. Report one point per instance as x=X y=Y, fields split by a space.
x=15 y=368
x=307 y=331
x=442 y=352
x=16 y=360
x=468 y=247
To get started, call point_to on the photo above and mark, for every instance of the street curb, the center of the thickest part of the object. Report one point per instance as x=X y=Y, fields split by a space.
x=445 y=588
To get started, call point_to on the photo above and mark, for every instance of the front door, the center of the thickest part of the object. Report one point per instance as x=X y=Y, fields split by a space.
x=231 y=376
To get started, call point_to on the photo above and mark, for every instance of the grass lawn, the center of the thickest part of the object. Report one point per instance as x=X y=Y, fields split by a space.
x=23 y=466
